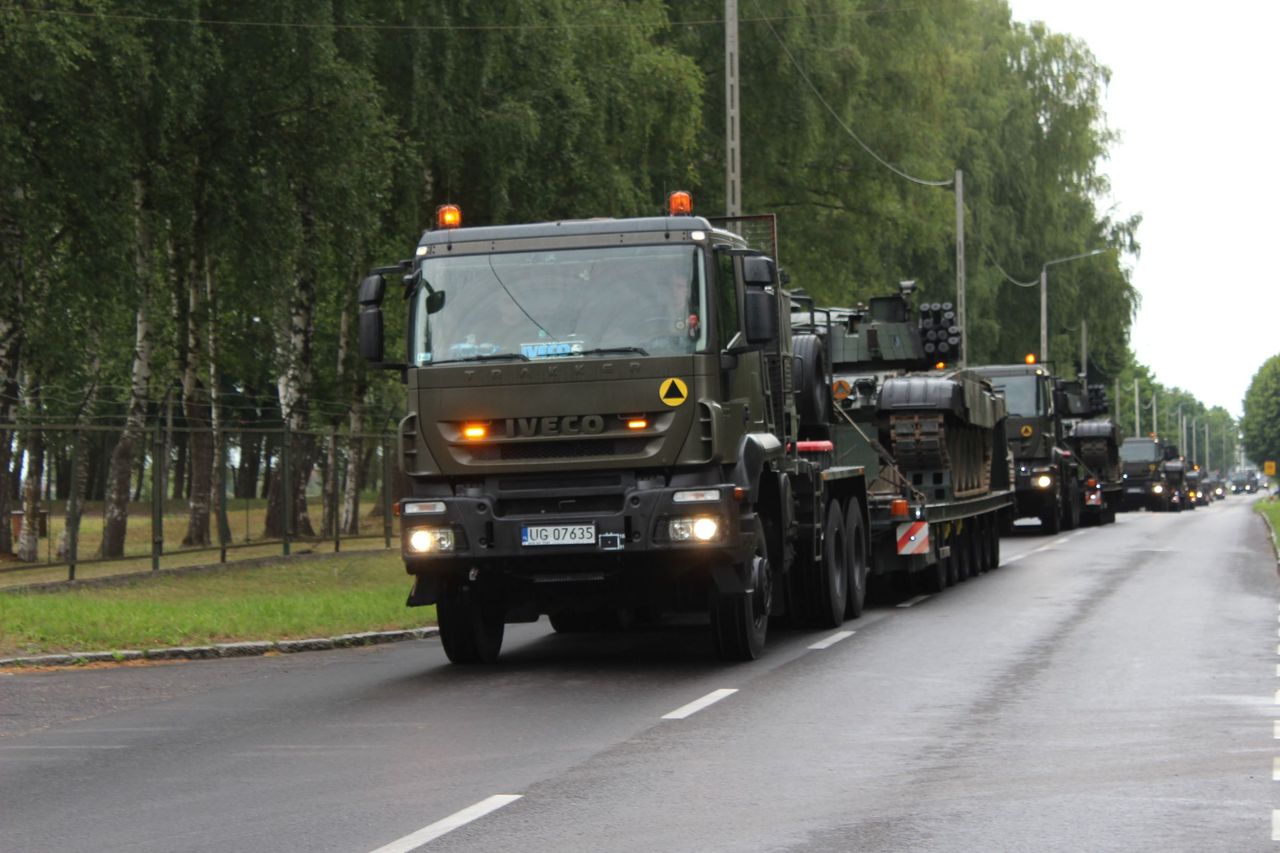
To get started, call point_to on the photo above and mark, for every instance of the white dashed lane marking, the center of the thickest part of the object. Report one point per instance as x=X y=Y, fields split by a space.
x=914 y=601
x=414 y=840
x=844 y=635
x=698 y=704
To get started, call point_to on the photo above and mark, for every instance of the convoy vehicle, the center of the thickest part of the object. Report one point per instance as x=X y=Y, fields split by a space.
x=918 y=427
x=1095 y=441
x=1197 y=488
x=1175 y=473
x=613 y=415
x=1050 y=481
x=1145 y=486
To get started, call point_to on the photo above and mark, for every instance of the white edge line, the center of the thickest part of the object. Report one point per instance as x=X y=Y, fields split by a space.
x=1275 y=769
x=844 y=635
x=1275 y=824
x=914 y=601
x=1275 y=729
x=414 y=840
x=696 y=705
x=1004 y=561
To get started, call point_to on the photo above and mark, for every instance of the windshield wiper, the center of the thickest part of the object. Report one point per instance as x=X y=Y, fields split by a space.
x=611 y=351
x=497 y=356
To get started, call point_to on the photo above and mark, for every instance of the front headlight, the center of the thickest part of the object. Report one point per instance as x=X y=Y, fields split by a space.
x=703 y=528
x=1157 y=489
x=430 y=540
x=1044 y=481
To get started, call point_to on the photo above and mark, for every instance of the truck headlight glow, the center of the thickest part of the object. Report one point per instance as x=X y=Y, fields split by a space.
x=701 y=529
x=1044 y=481
x=1158 y=489
x=431 y=540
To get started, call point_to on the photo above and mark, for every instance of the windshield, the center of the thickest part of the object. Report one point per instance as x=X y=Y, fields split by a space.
x=1020 y=398
x=563 y=303
x=1139 y=451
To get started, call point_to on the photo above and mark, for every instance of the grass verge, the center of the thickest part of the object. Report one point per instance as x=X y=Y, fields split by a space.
x=1270 y=507
x=356 y=592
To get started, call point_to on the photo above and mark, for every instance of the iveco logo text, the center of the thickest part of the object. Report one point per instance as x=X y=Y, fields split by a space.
x=567 y=425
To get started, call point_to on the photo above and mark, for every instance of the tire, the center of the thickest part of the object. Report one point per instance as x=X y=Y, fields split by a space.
x=993 y=561
x=981 y=545
x=740 y=620
x=809 y=380
x=964 y=547
x=471 y=626
x=856 y=559
x=1071 y=510
x=827 y=584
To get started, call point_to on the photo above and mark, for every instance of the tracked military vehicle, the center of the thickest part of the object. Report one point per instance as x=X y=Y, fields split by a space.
x=925 y=431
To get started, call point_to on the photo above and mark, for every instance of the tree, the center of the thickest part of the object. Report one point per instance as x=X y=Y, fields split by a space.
x=1261 y=424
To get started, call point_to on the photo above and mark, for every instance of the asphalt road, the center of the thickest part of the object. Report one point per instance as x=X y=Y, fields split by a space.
x=1107 y=689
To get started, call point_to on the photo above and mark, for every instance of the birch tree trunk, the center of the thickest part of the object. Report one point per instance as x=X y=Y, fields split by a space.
x=79 y=485
x=195 y=408
x=294 y=386
x=219 y=482
x=11 y=308
x=115 y=512
x=29 y=534
x=355 y=463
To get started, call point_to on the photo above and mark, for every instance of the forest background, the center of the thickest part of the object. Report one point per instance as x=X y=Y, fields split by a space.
x=189 y=192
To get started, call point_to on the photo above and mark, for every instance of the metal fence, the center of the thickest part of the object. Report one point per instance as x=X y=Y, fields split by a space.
x=53 y=490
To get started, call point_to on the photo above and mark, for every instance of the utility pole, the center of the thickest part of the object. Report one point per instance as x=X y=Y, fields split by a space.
x=960 y=304
x=1137 y=409
x=1044 y=314
x=1155 y=413
x=733 y=162
x=1084 y=353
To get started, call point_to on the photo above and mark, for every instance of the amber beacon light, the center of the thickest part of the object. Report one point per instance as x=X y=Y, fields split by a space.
x=680 y=203
x=448 y=216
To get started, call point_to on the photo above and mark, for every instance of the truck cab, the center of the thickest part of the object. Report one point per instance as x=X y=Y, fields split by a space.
x=599 y=424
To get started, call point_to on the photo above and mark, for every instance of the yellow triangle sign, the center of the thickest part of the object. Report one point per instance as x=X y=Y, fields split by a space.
x=673 y=392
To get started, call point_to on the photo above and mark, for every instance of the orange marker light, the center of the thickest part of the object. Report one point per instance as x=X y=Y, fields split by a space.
x=637 y=423
x=940 y=365
x=898 y=508
x=448 y=216
x=474 y=431
x=1030 y=359
x=680 y=203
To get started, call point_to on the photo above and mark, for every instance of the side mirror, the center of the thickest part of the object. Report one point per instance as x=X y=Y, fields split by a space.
x=761 y=317
x=372 y=290
x=759 y=270
x=371 y=332
x=435 y=301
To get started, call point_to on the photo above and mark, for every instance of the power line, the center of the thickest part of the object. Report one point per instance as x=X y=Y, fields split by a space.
x=865 y=147
x=1008 y=278
x=562 y=25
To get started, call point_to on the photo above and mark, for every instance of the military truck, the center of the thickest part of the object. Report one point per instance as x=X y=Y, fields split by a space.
x=1095 y=441
x=1175 y=471
x=1049 y=481
x=1145 y=486
x=613 y=415
x=923 y=431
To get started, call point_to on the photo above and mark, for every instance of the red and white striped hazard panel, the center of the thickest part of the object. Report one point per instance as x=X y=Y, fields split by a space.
x=913 y=538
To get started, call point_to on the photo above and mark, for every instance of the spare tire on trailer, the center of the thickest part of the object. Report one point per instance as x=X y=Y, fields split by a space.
x=809 y=380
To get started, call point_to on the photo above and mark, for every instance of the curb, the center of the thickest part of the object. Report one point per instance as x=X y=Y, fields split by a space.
x=224 y=650
x=1275 y=546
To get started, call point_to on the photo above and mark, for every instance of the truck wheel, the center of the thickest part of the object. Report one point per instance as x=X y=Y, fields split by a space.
x=809 y=379
x=740 y=620
x=471 y=626
x=993 y=546
x=981 y=545
x=830 y=580
x=1071 y=510
x=964 y=546
x=856 y=597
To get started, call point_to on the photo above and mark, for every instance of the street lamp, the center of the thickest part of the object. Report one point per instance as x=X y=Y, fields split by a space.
x=1044 y=296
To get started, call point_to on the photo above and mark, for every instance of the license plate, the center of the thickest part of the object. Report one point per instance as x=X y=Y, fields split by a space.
x=558 y=534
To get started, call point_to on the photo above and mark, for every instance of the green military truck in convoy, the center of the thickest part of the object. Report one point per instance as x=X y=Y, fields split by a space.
x=1049 y=481
x=614 y=415
x=1145 y=485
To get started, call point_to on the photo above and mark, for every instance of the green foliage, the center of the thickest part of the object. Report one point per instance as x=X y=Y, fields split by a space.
x=1261 y=424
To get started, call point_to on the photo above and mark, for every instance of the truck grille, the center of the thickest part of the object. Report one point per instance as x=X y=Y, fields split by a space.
x=578 y=449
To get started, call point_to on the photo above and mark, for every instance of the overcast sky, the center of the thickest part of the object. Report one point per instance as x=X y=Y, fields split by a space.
x=1194 y=96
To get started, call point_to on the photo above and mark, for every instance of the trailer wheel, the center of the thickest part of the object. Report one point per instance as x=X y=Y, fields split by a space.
x=856 y=596
x=740 y=620
x=981 y=544
x=993 y=545
x=471 y=625
x=934 y=579
x=964 y=549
